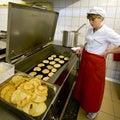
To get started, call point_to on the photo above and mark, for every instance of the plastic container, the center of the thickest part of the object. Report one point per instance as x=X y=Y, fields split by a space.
x=6 y=71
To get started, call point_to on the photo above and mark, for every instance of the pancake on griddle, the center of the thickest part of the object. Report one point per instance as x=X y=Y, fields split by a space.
x=57 y=59
x=33 y=73
x=49 y=67
x=46 y=78
x=61 y=61
x=41 y=65
x=52 y=62
x=46 y=61
x=66 y=58
x=37 y=69
x=50 y=58
x=57 y=65
x=54 y=70
x=39 y=76
x=54 y=56
x=50 y=74
x=45 y=71
x=61 y=56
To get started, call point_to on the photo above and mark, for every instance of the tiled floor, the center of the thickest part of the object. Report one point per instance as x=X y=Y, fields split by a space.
x=110 y=109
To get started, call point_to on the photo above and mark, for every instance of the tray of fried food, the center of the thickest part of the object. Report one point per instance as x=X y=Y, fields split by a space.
x=27 y=94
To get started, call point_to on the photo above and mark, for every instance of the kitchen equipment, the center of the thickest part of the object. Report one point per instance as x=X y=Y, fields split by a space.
x=6 y=71
x=30 y=35
x=70 y=38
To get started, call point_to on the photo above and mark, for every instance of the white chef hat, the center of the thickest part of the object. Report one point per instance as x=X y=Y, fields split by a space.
x=97 y=10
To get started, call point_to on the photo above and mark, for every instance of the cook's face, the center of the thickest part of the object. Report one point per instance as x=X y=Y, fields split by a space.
x=95 y=20
x=95 y=23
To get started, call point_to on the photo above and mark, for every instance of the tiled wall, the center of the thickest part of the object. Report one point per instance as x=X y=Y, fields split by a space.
x=72 y=14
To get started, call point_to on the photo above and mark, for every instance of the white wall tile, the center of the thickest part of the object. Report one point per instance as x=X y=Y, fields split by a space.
x=84 y=3
x=118 y=12
x=112 y=2
x=93 y=3
x=76 y=4
x=69 y=12
x=117 y=24
x=76 y=12
x=111 y=12
x=109 y=22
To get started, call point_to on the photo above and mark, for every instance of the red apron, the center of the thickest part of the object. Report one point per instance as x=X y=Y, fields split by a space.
x=90 y=83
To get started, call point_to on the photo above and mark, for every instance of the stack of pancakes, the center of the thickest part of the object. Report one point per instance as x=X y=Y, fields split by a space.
x=27 y=94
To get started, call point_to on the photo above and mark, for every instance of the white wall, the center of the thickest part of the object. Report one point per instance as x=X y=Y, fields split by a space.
x=72 y=14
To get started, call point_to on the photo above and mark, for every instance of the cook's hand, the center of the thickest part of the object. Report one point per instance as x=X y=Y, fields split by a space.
x=78 y=51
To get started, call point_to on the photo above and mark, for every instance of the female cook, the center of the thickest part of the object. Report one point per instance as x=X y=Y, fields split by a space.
x=90 y=83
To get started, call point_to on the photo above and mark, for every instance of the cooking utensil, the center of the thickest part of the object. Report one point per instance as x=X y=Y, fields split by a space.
x=70 y=38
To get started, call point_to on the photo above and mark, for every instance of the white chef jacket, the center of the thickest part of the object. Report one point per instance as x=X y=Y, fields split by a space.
x=98 y=42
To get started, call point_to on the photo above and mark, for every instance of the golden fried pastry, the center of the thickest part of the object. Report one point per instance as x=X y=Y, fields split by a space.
x=20 y=98
x=50 y=58
x=33 y=74
x=37 y=109
x=50 y=74
x=5 y=89
x=46 y=78
x=57 y=59
x=25 y=108
x=46 y=61
x=61 y=61
x=39 y=76
x=49 y=67
x=39 y=98
x=66 y=58
x=8 y=94
x=45 y=71
x=54 y=56
x=41 y=65
x=52 y=62
x=37 y=69
x=17 y=80
x=57 y=65
x=24 y=87
x=42 y=90
x=35 y=81
x=61 y=56
x=54 y=70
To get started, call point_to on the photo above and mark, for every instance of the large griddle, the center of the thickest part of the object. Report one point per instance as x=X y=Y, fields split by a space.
x=30 y=35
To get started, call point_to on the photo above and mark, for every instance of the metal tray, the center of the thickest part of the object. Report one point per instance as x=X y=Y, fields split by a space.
x=52 y=92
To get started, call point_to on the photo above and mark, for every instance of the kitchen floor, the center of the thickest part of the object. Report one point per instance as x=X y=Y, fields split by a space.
x=110 y=109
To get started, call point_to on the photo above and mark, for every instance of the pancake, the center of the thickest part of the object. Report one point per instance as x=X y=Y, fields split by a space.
x=33 y=74
x=54 y=70
x=37 y=109
x=46 y=61
x=45 y=71
x=61 y=56
x=50 y=74
x=66 y=58
x=54 y=56
x=49 y=67
x=39 y=76
x=46 y=78
x=61 y=61
x=50 y=58
x=41 y=65
x=37 y=69
x=57 y=65
x=52 y=62
x=57 y=59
